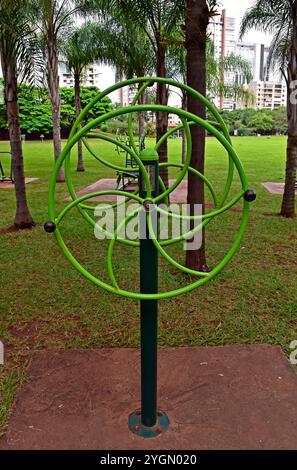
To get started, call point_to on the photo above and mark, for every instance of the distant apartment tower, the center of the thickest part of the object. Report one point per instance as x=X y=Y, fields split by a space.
x=269 y=95
x=223 y=34
x=173 y=120
x=257 y=56
x=126 y=95
x=90 y=76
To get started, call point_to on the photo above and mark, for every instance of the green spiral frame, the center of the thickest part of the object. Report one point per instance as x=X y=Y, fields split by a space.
x=217 y=128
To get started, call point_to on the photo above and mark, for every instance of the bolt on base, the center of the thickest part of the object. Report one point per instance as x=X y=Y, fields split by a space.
x=135 y=425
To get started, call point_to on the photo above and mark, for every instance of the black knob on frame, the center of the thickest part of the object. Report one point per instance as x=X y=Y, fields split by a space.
x=250 y=195
x=49 y=226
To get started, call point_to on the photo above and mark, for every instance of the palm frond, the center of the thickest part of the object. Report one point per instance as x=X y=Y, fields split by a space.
x=266 y=16
x=83 y=46
x=19 y=43
x=276 y=18
x=238 y=65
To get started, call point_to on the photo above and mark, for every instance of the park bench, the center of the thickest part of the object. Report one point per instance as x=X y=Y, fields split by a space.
x=131 y=174
x=3 y=177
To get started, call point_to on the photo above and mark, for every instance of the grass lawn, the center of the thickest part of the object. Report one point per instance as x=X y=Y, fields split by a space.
x=45 y=303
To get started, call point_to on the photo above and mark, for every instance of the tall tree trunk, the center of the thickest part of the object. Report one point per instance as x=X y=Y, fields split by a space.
x=184 y=141
x=288 y=204
x=23 y=218
x=223 y=52
x=80 y=159
x=141 y=116
x=162 y=118
x=53 y=84
x=197 y=17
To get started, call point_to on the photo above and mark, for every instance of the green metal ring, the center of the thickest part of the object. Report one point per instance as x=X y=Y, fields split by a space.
x=149 y=81
x=188 y=119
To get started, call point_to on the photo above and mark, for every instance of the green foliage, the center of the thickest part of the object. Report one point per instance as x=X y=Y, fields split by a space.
x=150 y=129
x=280 y=117
x=262 y=123
x=82 y=47
x=128 y=49
x=251 y=121
x=246 y=131
x=87 y=94
x=19 y=43
x=176 y=69
x=135 y=31
x=35 y=109
x=114 y=125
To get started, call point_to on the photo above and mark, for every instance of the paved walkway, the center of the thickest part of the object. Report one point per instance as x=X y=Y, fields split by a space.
x=275 y=188
x=8 y=185
x=241 y=397
x=178 y=196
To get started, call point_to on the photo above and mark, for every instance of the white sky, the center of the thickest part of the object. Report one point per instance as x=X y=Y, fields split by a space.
x=236 y=9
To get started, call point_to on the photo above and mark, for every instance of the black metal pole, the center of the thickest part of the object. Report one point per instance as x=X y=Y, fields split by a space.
x=148 y=422
x=149 y=317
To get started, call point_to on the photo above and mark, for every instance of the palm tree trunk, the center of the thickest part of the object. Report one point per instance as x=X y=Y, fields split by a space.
x=184 y=146
x=23 y=218
x=288 y=203
x=162 y=118
x=184 y=141
x=197 y=17
x=53 y=84
x=80 y=159
x=141 y=118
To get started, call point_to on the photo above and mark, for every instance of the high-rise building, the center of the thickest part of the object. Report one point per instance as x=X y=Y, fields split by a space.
x=90 y=76
x=269 y=91
x=269 y=95
x=125 y=95
x=257 y=56
x=223 y=34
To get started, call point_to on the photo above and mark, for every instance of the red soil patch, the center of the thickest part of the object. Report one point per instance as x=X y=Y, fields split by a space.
x=240 y=397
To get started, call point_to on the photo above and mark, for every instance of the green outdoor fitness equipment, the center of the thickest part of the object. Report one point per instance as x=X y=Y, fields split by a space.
x=149 y=421
x=128 y=177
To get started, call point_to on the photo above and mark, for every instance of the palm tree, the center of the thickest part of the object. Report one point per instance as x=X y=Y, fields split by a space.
x=197 y=19
x=233 y=63
x=18 y=52
x=177 y=69
x=280 y=19
x=176 y=66
x=54 y=18
x=81 y=48
x=130 y=52
x=159 y=20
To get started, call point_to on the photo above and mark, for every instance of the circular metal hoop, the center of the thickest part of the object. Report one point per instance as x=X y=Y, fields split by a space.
x=217 y=129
